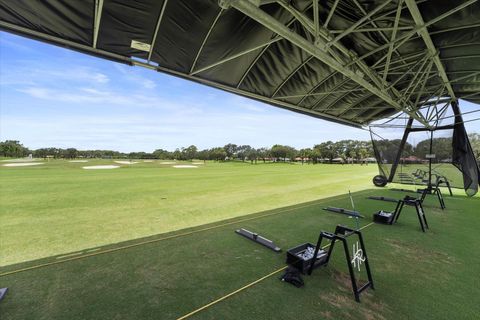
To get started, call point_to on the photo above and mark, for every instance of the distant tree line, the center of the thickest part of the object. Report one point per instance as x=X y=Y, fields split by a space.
x=326 y=151
x=441 y=147
x=347 y=150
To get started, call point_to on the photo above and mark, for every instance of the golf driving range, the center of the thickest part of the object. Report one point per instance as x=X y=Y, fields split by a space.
x=380 y=229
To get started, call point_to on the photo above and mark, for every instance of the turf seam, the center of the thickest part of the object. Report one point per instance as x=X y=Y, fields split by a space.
x=158 y=240
x=251 y=284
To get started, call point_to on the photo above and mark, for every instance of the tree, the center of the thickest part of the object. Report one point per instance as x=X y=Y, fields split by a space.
x=279 y=151
x=263 y=153
x=326 y=150
x=162 y=154
x=475 y=143
x=177 y=154
x=189 y=153
x=305 y=154
x=203 y=155
x=243 y=151
x=13 y=148
x=230 y=149
x=217 y=154
x=252 y=155
x=70 y=153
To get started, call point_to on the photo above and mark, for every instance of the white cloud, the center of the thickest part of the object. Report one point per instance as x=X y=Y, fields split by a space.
x=100 y=78
x=149 y=84
x=96 y=96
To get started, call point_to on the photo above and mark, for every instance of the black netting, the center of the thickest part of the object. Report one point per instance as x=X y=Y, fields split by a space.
x=421 y=157
x=463 y=157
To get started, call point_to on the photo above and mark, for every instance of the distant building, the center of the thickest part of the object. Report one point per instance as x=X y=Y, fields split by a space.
x=411 y=159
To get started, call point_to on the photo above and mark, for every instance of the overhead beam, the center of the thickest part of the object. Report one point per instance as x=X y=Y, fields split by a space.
x=409 y=35
x=316 y=19
x=354 y=106
x=336 y=87
x=319 y=93
x=199 y=52
x=157 y=27
x=315 y=87
x=97 y=19
x=245 y=74
x=330 y=13
x=417 y=17
x=235 y=56
x=468 y=26
x=380 y=32
x=257 y=14
x=300 y=66
x=392 y=39
x=7 y=26
x=347 y=61
x=358 y=23
x=360 y=30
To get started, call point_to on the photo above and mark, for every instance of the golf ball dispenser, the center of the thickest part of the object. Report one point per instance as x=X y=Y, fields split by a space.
x=307 y=257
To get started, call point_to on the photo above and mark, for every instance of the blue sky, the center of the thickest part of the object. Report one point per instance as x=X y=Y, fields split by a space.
x=50 y=96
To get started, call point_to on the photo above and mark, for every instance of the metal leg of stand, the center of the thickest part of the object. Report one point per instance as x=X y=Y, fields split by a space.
x=3 y=291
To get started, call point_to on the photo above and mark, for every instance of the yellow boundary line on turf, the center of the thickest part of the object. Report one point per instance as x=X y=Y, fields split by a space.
x=317 y=202
x=247 y=286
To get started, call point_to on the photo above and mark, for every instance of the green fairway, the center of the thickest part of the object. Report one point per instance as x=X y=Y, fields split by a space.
x=58 y=207
x=417 y=275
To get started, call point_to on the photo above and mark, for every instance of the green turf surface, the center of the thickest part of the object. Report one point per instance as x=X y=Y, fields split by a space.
x=106 y=245
x=58 y=207
x=417 y=275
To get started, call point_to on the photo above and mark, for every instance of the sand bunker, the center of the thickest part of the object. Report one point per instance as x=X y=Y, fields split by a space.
x=78 y=161
x=147 y=160
x=20 y=160
x=197 y=163
x=22 y=164
x=101 y=167
x=126 y=162
x=185 y=166
x=168 y=162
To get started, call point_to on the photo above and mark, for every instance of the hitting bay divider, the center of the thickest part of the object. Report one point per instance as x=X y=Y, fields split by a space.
x=106 y=251
x=341 y=234
x=433 y=191
x=392 y=217
x=249 y=285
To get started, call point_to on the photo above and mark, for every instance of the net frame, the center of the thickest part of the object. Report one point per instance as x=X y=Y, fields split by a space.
x=462 y=156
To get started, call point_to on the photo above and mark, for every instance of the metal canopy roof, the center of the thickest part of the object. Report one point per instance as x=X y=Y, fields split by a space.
x=349 y=61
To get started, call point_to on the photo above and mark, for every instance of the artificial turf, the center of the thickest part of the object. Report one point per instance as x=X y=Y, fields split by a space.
x=432 y=275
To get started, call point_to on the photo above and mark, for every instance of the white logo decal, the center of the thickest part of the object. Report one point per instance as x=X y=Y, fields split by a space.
x=357 y=256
